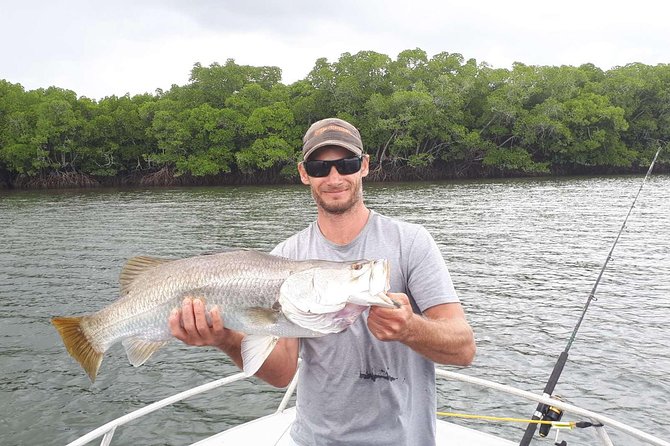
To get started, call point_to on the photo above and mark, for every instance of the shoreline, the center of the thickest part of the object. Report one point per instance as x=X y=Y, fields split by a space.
x=167 y=178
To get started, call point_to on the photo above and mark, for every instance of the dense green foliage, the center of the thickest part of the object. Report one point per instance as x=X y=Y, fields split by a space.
x=442 y=115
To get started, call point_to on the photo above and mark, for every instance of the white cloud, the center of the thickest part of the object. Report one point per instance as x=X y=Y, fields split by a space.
x=99 y=49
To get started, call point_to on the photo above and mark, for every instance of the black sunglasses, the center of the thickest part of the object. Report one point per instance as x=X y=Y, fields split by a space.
x=344 y=166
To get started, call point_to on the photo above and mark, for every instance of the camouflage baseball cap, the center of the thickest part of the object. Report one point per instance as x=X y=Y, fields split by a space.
x=332 y=132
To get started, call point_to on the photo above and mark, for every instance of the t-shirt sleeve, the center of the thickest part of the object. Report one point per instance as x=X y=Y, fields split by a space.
x=287 y=249
x=428 y=279
x=279 y=250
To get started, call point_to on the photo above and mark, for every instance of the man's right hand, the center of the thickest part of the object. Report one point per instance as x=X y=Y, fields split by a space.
x=189 y=325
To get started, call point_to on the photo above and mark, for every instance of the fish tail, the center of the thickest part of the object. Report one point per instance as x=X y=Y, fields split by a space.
x=78 y=345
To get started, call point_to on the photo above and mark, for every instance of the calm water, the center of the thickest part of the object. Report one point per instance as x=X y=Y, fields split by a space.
x=524 y=255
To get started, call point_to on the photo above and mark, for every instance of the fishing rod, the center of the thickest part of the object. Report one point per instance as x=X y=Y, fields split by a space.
x=543 y=411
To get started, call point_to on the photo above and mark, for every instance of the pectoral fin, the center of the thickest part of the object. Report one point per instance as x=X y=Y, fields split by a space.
x=139 y=350
x=259 y=317
x=255 y=350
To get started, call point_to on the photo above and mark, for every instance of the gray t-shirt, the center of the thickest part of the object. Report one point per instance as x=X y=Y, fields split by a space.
x=357 y=390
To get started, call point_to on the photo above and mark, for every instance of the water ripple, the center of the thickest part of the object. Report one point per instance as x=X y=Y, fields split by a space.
x=524 y=255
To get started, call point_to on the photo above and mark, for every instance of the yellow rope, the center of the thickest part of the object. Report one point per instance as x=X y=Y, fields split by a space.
x=559 y=424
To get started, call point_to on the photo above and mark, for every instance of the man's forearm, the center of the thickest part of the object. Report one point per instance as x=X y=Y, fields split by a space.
x=442 y=334
x=232 y=346
x=445 y=341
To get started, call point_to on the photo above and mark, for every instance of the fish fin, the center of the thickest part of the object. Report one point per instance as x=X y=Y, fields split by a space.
x=255 y=350
x=260 y=317
x=138 y=350
x=135 y=267
x=78 y=345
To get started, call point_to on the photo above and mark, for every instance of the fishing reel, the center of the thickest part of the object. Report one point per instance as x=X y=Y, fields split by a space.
x=552 y=414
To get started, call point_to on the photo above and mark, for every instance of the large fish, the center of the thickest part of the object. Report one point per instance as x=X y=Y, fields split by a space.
x=261 y=295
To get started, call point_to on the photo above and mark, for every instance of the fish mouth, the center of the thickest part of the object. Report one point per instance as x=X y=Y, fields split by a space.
x=384 y=267
x=377 y=300
x=384 y=301
x=376 y=275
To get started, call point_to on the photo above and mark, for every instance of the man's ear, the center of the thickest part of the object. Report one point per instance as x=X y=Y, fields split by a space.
x=303 y=174
x=365 y=168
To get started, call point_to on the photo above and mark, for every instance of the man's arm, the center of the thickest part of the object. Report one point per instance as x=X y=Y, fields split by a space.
x=442 y=334
x=189 y=325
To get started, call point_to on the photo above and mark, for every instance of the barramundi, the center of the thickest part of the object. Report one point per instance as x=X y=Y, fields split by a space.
x=261 y=295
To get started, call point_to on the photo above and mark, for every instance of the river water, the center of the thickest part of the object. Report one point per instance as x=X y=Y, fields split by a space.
x=523 y=254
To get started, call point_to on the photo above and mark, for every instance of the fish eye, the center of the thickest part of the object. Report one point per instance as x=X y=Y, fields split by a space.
x=357 y=266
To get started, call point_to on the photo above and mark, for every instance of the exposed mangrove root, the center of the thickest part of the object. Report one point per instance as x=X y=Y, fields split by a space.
x=163 y=177
x=56 y=180
x=167 y=177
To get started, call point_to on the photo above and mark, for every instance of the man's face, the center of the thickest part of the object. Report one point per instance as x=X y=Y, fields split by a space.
x=335 y=193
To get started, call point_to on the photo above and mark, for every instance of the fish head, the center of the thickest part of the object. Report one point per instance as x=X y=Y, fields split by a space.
x=376 y=274
x=327 y=287
x=363 y=282
x=327 y=297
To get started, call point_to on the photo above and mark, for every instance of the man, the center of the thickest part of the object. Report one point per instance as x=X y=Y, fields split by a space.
x=374 y=383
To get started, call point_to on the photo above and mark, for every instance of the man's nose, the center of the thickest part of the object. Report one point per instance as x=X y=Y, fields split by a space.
x=334 y=174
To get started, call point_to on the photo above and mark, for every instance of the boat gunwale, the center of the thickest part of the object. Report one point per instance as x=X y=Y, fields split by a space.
x=107 y=430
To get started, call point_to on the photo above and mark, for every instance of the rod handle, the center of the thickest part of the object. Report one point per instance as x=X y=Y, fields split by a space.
x=548 y=390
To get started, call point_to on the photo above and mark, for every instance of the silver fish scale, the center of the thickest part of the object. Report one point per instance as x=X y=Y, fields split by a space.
x=235 y=281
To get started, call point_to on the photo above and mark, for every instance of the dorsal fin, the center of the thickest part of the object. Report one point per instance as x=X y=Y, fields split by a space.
x=136 y=266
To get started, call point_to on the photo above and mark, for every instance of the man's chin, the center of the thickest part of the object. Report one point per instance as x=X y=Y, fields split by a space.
x=336 y=208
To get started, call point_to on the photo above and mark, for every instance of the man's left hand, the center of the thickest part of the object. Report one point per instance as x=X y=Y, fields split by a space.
x=392 y=324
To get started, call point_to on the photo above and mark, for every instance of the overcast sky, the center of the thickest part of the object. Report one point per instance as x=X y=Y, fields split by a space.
x=100 y=48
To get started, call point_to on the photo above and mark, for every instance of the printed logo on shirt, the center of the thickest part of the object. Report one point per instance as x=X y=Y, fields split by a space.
x=383 y=374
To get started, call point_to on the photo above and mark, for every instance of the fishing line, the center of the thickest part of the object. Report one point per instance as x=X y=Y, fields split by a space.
x=609 y=256
x=558 y=424
x=541 y=411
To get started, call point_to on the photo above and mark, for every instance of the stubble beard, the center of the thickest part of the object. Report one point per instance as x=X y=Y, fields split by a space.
x=340 y=208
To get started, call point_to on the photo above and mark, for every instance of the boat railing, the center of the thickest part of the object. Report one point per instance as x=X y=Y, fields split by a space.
x=566 y=407
x=107 y=430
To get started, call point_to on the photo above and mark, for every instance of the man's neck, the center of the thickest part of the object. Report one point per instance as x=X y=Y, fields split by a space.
x=342 y=229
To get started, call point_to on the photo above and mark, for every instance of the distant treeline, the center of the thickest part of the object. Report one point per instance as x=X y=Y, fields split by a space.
x=420 y=117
